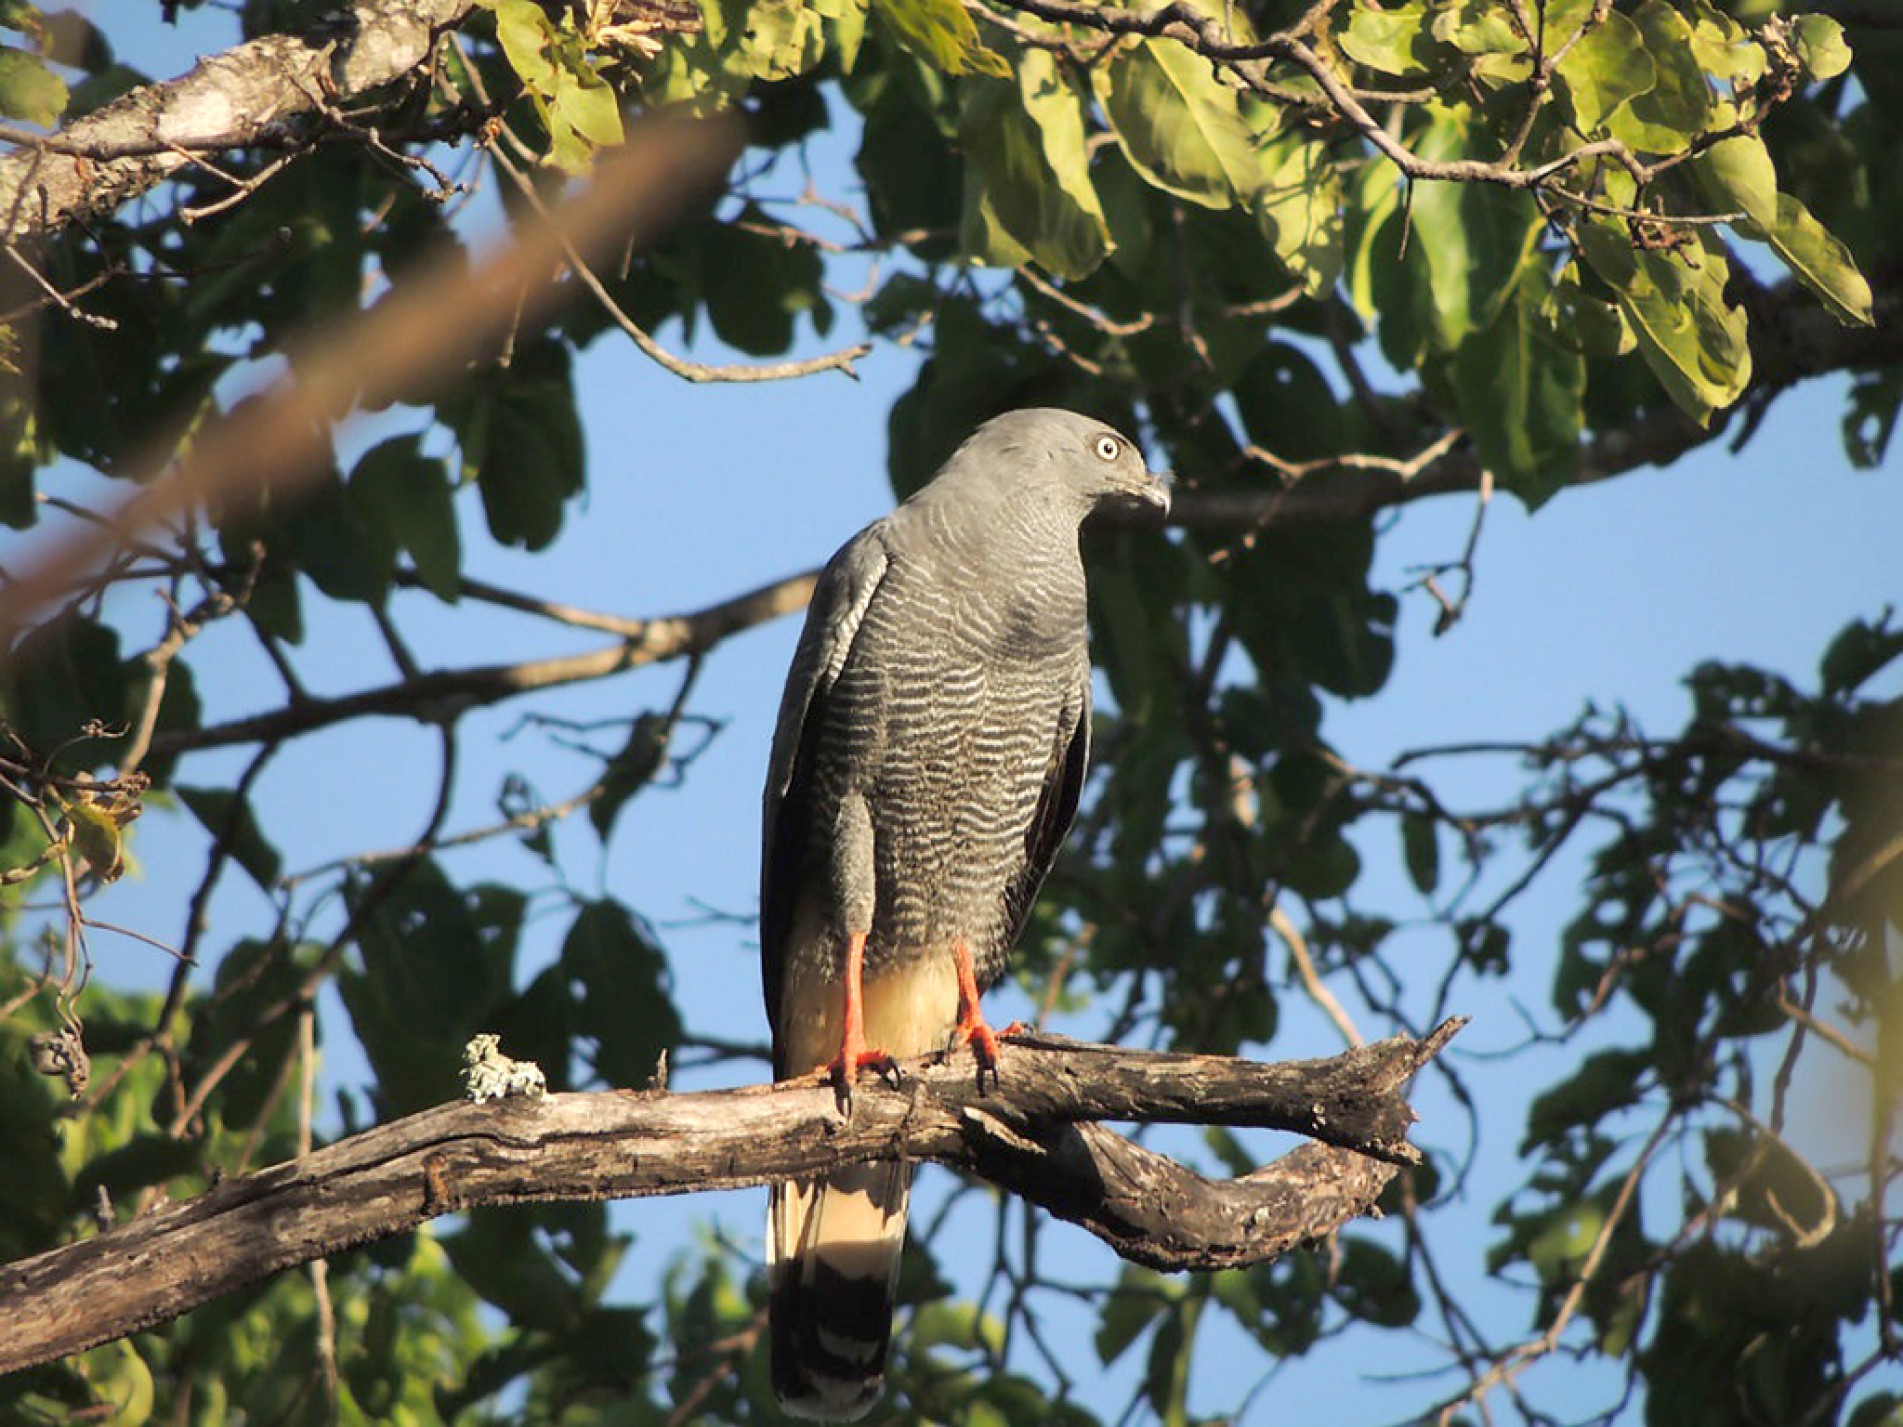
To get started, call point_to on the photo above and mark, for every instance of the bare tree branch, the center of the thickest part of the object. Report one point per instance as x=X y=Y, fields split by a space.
x=444 y=694
x=1024 y=1133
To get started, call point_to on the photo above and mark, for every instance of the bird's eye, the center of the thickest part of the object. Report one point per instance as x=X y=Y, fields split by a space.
x=1108 y=448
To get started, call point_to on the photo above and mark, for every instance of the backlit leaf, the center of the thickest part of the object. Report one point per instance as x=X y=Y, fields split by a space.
x=1299 y=209
x=1818 y=259
x=1677 y=107
x=1024 y=145
x=1179 y=126
x=1608 y=67
x=1691 y=337
x=1820 y=46
x=1393 y=41
x=943 y=34
x=29 y=90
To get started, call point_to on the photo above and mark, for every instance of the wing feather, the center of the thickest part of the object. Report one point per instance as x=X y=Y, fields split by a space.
x=1056 y=810
x=845 y=591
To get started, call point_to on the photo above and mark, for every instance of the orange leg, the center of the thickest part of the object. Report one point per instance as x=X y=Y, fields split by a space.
x=854 y=1054
x=971 y=1025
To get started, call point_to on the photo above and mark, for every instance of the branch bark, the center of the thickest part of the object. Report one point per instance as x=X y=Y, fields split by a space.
x=1029 y=1133
x=247 y=95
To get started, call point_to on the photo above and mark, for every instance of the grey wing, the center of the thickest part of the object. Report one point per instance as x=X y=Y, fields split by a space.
x=840 y=599
x=1056 y=810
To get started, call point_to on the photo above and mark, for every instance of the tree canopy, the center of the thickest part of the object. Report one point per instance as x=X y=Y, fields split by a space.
x=292 y=344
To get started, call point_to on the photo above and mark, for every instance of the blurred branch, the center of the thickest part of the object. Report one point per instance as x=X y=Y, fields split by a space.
x=444 y=694
x=1024 y=1133
x=422 y=333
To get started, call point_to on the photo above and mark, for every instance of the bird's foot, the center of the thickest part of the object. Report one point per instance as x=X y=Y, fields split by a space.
x=843 y=1069
x=973 y=1030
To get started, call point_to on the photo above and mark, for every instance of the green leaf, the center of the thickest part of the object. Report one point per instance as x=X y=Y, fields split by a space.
x=1478 y=27
x=1738 y=176
x=229 y=820
x=586 y=103
x=62 y=678
x=1522 y=391
x=766 y=39
x=1870 y=421
x=1395 y=41
x=29 y=90
x=1591 y=326
x=577 y=107
x=144 y=1160
x=1818 y=259
x=1025 y=148
x=982 y=234
x=1140 y=1295
x=755 y=286
x=346 y=555
x=1420 y=849
x=521 y=442
x=1690 y=336
x=1299 y=209
x=846 y=23
x=436 y=963
x=527 y=34
x=1607 y=68
x=500 y=1255
x=407 y=495
x=625 y=1003
x=1475 y=236
x=1375 y=1286
x=1179 y=126
x=1677 y=108
x=943 y=34
x=629 y=771
x=1820 y=46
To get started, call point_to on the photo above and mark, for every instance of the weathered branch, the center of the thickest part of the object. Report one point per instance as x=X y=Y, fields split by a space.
x=1024 y=1133
x=246 y=95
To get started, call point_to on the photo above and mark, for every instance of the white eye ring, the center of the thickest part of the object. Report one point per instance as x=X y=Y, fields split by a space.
x=1108 y=448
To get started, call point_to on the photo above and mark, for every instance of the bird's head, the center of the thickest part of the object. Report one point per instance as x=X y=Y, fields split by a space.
x=1093 y=467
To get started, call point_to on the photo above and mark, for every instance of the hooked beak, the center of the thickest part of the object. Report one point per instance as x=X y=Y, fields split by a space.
x=1155 y=494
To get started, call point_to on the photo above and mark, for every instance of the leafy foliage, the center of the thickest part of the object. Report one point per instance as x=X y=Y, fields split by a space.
x=1554 y=229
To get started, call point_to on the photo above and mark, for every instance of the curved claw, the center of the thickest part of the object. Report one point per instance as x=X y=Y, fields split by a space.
x=854 y=1054
x=972 y=1028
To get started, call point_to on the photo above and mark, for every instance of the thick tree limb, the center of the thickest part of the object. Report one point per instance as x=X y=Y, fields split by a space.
x=246 y=95
x=1026 y=1133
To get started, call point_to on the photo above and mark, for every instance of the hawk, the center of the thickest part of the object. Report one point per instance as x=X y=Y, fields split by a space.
x=927 y=763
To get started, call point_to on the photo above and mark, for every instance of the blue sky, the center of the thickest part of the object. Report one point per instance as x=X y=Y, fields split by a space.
x=1611 y=593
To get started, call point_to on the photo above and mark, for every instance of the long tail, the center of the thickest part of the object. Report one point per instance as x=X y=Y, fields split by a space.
x=833 y=1250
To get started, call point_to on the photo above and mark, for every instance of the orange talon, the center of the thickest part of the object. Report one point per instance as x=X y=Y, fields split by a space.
x=854 y=1054
x=972 y=1028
